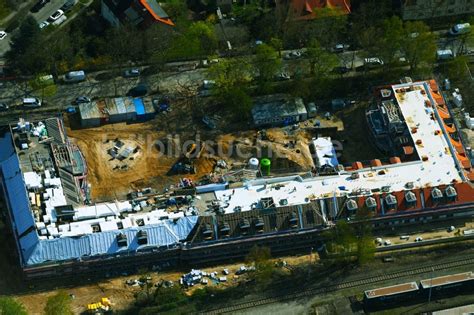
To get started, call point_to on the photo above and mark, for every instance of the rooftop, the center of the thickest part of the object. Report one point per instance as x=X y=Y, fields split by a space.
x=394 y=289
x=444 y=280
x=279 y=105
x=437 y=166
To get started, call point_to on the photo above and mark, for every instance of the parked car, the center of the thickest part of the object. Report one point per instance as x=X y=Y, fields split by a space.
x=39 y=5
x=341 y=70
x=387 y=242
x=4 y=107
x=444 y=54
x=208 y=84
x=388 y=259
x=283 y=76
x=82 y=99
x=3 y=34
x=75 y=76
x=31 y=102
x=451 y=228
x=131 y=73
x=70 y=110
x=68 y=5
x=339 y=48
x=139 y=90
x=295 y=54
x=209 y=122
x=405 y=237
x=459 y=29
x=43 y=24
x=373 y=62
x=418 y=239
x=56 y=15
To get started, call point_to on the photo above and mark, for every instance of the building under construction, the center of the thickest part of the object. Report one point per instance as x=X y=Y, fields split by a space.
x=60 y=231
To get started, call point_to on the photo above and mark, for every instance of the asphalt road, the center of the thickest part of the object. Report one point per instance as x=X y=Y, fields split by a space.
x=48 y=10
x=177 y=83
x=40 y=16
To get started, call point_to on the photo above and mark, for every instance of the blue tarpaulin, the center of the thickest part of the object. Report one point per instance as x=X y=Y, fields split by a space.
x=139 y=106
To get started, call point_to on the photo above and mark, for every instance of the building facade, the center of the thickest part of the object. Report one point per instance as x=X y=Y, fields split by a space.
x=428 y=9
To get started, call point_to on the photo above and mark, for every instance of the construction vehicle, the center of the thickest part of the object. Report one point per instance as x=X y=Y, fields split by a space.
x=185 y=164
x=101 y=307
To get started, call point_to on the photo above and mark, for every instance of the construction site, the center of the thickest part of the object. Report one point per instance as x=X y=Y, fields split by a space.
x=136 y=196
x=123 y=158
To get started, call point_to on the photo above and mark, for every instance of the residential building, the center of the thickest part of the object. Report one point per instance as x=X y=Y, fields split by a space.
x=427 y=9
x=141 y=13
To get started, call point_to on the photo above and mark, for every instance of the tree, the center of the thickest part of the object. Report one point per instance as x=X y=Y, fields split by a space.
x=267 y=64
x=260 y=258
x=232 y=77
x=389 y=44
x=199 y=40
x=27 y=53
x=9 y=306
x=58 y=304
x=277 y=44
x=418 y=44
x=321 y=62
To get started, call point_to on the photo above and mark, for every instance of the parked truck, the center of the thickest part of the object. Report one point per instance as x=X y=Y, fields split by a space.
x=75 y=76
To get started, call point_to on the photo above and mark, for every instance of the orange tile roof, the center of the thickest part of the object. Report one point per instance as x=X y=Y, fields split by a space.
x=156 y=16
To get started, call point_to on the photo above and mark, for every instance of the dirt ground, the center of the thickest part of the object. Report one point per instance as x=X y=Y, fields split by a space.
x=122 y=295
x=150 y=165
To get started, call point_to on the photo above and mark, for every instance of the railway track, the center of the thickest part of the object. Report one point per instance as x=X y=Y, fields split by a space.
x=311 y=291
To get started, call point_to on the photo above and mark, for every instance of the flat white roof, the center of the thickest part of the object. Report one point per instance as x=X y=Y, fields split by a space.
x=325 y=152
x=439 y=169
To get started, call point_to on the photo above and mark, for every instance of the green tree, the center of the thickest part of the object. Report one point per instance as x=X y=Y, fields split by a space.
x=365 y=240
x=266 y=64
x=9 y=306
x=277 y=44
x=199 y=40
x=58 y=304
x=389 y=44
x=27 y=52
x=321 y=62
x=419 y=45
x=232 y=77
x=260 y=257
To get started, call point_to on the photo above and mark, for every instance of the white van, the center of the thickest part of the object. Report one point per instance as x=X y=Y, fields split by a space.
x=31 y=102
